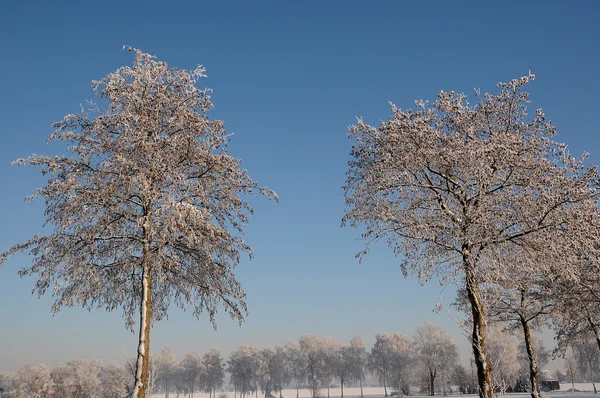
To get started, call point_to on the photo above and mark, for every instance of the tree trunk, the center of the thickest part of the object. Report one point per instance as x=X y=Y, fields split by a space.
x=143 y=357
x=297 y=390
x=533 y=369
x=342 y=387
x=478 y=343
x=431 y=381
x=400 y=384
x=384 y=384
x=361 y=390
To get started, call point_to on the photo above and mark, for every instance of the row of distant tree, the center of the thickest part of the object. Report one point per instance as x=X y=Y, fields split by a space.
x=426 y=364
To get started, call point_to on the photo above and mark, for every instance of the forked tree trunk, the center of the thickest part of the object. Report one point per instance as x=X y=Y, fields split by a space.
x=143 y=352
x=478 y=343
x=533 y=369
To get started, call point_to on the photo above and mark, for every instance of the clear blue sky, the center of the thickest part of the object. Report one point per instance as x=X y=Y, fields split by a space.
x=288 y=78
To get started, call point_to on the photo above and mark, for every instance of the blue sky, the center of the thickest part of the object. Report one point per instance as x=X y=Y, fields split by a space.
x=288 y=78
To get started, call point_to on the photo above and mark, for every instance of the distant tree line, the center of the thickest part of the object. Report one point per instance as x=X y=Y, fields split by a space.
x=428 y=363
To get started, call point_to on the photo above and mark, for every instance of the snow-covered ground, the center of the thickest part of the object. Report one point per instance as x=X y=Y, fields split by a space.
x=586 y=390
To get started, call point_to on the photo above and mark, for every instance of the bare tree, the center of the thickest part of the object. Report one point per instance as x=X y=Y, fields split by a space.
x=453 y=185
x=145 y=207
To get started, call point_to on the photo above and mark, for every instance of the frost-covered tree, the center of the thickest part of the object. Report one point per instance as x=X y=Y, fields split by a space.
x=503 y=358
x=166 y=363
x=452 y=185
x=436 y=351
x=588 y=359
x=147 y=207
x=274 y=370
x=542 y=356
x=113 y=378
x=330 y=349
x=390 y=358
x=358 y=357
x=521 y=300
x=315 y=350
x=264 y=375
x=79 y=378
x=460 y=378
x=213 y=371
x=296 y=363
x=571 y=370
x=381 y=358
x=34 y=382
x=576 y=317
x=402 y=360
x=343 y=365
x=7 y=381
x=191 y=367
x=243 y=367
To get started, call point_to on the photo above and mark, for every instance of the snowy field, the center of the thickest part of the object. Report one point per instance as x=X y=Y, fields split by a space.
x=586 y=390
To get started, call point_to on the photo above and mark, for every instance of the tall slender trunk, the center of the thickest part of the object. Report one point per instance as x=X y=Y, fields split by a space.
x=143 y=357
x=342 y=387
x=592 y=376
x=478 y=335
x=400 y=384
x=533 y=369
x=361 y=390
x=297 y=389
x=384 y=384
x=431 y=381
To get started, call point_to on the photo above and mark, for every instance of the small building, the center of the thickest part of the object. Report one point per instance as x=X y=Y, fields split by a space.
x=549 y=385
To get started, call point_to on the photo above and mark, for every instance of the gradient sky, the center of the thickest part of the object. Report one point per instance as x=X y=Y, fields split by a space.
x=288 y=78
